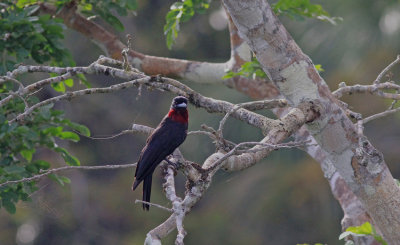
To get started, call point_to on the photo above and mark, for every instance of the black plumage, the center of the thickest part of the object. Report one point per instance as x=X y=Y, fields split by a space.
x=170 y=133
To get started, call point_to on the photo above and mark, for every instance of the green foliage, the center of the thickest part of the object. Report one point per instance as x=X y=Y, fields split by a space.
x=25 y=35
x=299 y=9
x=61 y=180
x=250 y=69
x=105 y=8
x=365 y=229
x=182 y=12
x=19 y=143
x=253 y=69
x=319 y=68
x=295 y=9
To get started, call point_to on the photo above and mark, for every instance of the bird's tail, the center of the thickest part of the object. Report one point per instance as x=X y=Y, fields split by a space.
x=147 y=191
x=135 y=184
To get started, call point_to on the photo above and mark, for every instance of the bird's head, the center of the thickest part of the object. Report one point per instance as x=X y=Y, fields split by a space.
x=178 y=112
x=179 y=102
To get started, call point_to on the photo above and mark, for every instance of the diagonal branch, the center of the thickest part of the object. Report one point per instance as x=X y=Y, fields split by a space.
x=195 y=189
x=296 y=78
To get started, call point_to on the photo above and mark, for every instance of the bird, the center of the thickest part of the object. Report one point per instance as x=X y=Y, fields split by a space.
x=169 y=134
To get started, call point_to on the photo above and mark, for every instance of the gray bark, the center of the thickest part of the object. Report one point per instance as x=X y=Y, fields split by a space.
x=361 y=166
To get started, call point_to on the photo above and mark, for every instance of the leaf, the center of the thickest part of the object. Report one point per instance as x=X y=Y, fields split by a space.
x=83 y=80
x=22 y=54
x=301 y=9
x=59 y=87
x=6 y=161
x=131 y=4
x=365 y=228
x=181 y=12
x=42 y=164
x=9 y=206
x=32 y=168
x=27 y=154
x=68 y=158
x=61 y=180
x=13 y=169
x=69 y=82
x=319 y=68
x=362 y=230
x=114 y=21
x=45 y=111
x=68 y=136
x=82 y=129
x=56 y=178
x=87 y=7
x=250 y=69
x=64 y=179
x=55 y=131
x=23 y=3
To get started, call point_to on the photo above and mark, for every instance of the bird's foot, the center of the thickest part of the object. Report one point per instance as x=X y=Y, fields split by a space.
x=169 y=162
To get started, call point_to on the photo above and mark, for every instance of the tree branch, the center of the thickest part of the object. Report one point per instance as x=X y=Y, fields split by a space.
x=51 y=171
x=296 y=78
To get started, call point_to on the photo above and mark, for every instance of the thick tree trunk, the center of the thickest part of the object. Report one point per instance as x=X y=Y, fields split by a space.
x=358 y=162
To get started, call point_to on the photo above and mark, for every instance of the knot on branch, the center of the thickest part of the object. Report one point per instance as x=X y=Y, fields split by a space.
x=156 y=78
x=366 y=153
x=311 y=109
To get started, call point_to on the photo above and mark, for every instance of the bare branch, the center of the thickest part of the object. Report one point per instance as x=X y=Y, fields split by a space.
x=47 y=172
x=70 y=95
x=387 y=68
x=380 y=115
x=372 y=89
x=289 y=124
x=154 y=205
x=375 y=89
x=166 y=84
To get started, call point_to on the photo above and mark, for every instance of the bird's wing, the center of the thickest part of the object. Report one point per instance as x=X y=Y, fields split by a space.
x=163 y=141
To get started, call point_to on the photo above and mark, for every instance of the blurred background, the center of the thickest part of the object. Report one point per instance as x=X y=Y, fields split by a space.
x=282 y=200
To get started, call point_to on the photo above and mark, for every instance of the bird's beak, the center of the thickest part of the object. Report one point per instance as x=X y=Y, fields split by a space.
x=181 y=105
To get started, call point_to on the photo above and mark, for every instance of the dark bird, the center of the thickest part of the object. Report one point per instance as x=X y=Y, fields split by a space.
x=169 y=134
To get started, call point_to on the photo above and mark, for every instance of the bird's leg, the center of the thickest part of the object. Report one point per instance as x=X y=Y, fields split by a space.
x=174 y=165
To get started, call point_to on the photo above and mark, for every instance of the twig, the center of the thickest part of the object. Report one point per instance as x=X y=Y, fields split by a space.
x=126 y=65
x=47 y=172
x=154 y=205
x=373 y=89
x=70 y=95
x=387 y=68
x=219 y=133
x=106 y=137
x=4 y=79
x=136 y=128
x=380 y=115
